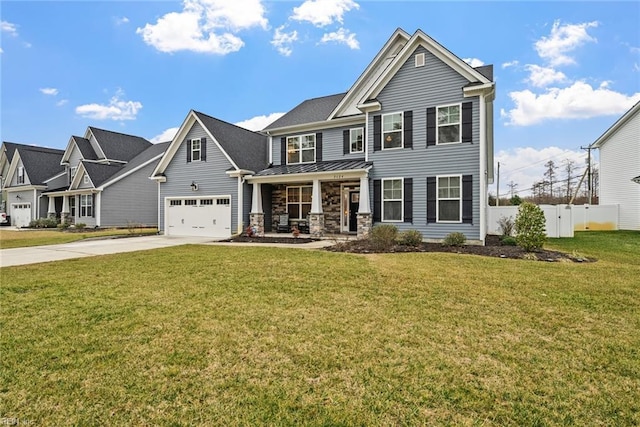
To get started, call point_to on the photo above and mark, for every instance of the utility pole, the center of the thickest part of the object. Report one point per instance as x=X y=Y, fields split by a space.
x=589 y=190
x=498 y=187
x=512 y=186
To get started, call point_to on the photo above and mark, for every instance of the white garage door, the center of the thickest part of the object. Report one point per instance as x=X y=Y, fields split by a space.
x=206 y=216
x=21 y=214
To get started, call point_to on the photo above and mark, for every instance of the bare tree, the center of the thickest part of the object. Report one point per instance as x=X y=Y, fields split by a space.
x=550 y=174
x=569 y=170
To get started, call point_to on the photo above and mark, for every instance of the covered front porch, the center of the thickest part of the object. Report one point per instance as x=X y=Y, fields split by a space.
x=320 y=199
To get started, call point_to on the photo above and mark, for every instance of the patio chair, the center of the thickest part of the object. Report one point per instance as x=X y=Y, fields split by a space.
x=283 y=223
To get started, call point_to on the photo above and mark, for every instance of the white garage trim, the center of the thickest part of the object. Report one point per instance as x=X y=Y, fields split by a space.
x=208 y=216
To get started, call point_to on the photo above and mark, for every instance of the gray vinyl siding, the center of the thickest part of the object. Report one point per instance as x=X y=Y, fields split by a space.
x=14 y=178
x=210 y=176
x=59 y=182
x=133 y=199
x=74 y=160
x=82 y=184
x=416 y=89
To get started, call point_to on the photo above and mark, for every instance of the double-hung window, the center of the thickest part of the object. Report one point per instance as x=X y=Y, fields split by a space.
x=196 y=150
x=301 y=149
x=86 y=205
x=392 y=200
x=20 y=175
x=72 y=206
x=449 y=124
x=73 y=173
x=449 y=199
x=392 y=131
x=356 y=137
x=299 y=201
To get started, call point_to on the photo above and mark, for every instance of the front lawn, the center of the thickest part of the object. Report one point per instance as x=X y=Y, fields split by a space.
x=211 y=335
x=24 y=238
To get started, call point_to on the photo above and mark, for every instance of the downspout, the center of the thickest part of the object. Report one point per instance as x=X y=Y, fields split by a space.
x=366 y=133
x=240 y=225
x=483 y=169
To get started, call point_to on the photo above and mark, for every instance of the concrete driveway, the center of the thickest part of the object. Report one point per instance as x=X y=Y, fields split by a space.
x=86 y=248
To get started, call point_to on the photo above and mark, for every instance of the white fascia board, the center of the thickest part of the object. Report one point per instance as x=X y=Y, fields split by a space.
x=297 y=177
x=88 y=134
x=55 y=176
x=134 y=170
x=159 y=178
x=24 y=188
x=72 y=192
x=485 y=89
x=370 y=107
x=617 y=125
x=239 y=172
x=325 y=124
x=12 y=168
x=68 y=150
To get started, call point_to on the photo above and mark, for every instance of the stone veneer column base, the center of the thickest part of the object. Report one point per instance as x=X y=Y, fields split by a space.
x=257 y=220
x=51 y=215
x=65 y=218
x=316 y=225
x=364 y=225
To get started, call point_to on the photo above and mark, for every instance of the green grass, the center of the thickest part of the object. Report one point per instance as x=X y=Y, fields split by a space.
x=20 y=239
x=213 y=335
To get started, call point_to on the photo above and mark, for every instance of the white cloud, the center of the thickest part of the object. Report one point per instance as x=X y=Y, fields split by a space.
x=165 y=136
x=578 y=101
x=116 y=109
x=62 y=102
x=1 y=50
x=563 y=40
x=282 y=41
x=513 y=63
x=474 y=62
x=122 y=20
x=49 y=91
x=323 y=12
x=259 y=122
x=205 y=26
x=525 y=166
x=543 y=76
x=8 y=27
x=341 y=36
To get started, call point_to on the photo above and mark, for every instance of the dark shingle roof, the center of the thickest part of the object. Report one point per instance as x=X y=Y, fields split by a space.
x=40 y=163
x=145 y=156
x=247 y=149
x=99 y=173
x=11 y=148
x=309 y=111
x=329 y=166
x=85 y=148
x=486 y=70
x=119 y=146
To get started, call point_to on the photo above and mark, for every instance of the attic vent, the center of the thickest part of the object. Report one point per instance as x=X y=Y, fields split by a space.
x=420 y=60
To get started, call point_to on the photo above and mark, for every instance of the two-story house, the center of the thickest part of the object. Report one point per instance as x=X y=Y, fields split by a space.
x=410 y=144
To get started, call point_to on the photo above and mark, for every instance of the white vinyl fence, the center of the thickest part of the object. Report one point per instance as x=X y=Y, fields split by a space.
x=562 y=220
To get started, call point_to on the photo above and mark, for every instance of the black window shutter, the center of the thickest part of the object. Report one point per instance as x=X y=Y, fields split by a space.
x=431 y=126
x=467 y=199
x=93 y=205
x=467 y=129
x=408 y=200
x=188 y=150
x=346 y=142
x=377 y=200
x=431 y=199
x=408 y=129
x=377 y=133
x=319 y=147
x=203 y=149
x=283 y=151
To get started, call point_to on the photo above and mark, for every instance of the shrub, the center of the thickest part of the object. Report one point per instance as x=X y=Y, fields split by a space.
x=80 y=225
x=384 y=236
x=454 y=239
x=411 y=238
x=63 y=225
x=506 y=225
x=529 y=226
x=508 y=241
x=43 y=223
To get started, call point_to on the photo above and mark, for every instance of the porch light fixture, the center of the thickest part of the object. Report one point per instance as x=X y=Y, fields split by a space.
x=19 y=197
x=194 y=186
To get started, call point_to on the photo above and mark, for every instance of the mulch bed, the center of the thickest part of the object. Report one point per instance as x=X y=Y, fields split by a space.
x=492 y=248
x=266 y=239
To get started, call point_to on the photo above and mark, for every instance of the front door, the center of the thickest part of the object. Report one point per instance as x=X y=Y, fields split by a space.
x=354 y=202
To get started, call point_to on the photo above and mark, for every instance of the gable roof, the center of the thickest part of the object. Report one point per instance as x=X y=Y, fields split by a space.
x=153 y=152
x=617 y=125
x=99 y=172
x=119 y=146
x=309 y=111
x=84 y=145
x=40 y=163
x=10 y=148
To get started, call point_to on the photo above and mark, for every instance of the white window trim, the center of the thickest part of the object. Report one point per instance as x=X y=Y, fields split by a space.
x=199 y=149
x=459 y=141
x=448 y=198
x=382 y=200
x=351 y=141
x=20 y=177
x=300 y=203
x=300 y=138
x=88 y=204
x=86 y=179
x=72 y=206
x=382 y=147
x=74 y=169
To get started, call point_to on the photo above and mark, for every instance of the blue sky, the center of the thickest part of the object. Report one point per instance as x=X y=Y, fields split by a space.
x=565 y=71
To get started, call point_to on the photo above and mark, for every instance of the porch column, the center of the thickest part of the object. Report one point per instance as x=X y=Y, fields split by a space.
x=64 y=216
x=51 y=211
x=364 y=209
x=316 y=216
x=256 y=217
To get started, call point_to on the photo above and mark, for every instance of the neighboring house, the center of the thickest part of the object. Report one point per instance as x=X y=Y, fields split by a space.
x=620 y=168
x=106 y=181
x=27 y=172
x=410 y=144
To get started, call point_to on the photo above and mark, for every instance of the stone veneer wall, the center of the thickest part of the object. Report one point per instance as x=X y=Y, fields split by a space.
x=330 y=204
